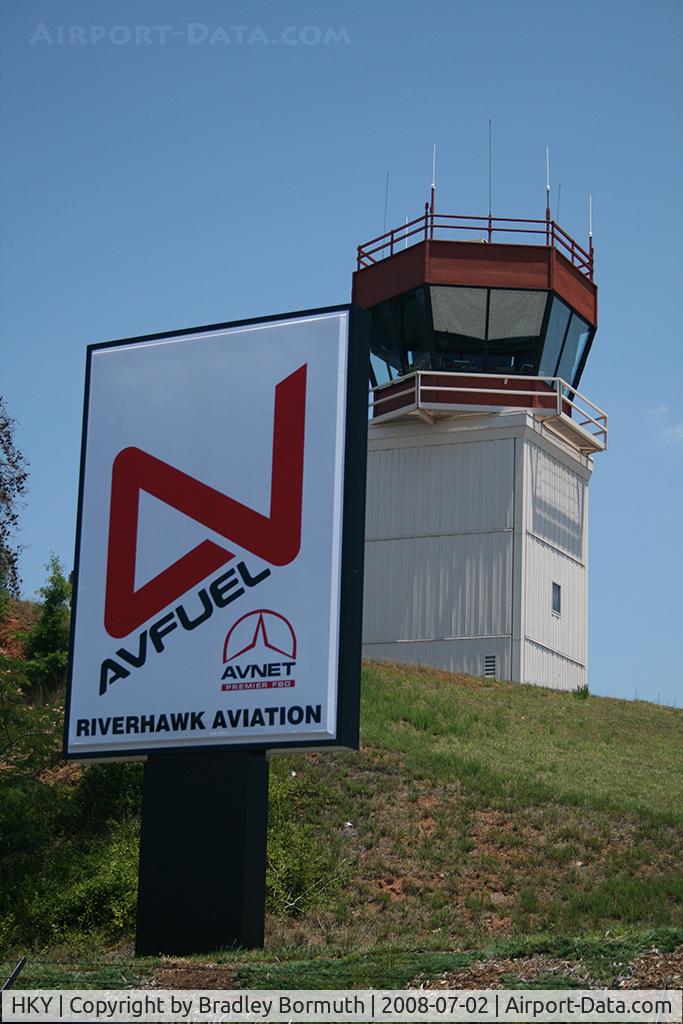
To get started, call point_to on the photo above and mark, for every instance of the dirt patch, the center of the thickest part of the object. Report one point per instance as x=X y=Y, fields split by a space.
x=392 y=886
x=188 y=975
x=652 y=970
x=496 y=973
x=65 y=774
x=656 y=970
x=22 y=616
x=497 y=925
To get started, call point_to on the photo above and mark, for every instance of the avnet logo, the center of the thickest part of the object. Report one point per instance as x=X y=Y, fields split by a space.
x=259 y=653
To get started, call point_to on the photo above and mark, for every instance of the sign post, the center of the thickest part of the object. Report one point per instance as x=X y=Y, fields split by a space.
x=218 y=592
x=202 y=880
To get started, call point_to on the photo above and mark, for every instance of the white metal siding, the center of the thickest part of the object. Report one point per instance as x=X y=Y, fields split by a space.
x=566 y=633
x=556 y=502
x=438 y=587
x=449 y=655
x=450 y=508
x=547 y=668
x=440 y=489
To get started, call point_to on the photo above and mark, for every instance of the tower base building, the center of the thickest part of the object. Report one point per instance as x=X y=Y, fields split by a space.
x=480 y=449
x=476 y=555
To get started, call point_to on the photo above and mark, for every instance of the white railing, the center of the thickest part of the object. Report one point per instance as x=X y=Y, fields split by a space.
x=567 y=402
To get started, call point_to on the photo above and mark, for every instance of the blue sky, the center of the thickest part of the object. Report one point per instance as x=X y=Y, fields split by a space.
x=154 y=176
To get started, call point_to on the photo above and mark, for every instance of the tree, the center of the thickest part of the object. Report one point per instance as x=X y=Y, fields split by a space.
x=13 y=480
x=5 y=603
x=46 y=643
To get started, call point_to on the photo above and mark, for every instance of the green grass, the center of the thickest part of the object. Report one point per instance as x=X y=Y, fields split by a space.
x=482 y=809
x=479 y=819
x=599 y=753
x=604 y=960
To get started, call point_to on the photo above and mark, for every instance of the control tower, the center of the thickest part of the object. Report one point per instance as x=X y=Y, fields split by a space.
x=480 y=446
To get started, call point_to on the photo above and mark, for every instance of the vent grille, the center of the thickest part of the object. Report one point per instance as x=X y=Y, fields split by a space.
x=490 y=666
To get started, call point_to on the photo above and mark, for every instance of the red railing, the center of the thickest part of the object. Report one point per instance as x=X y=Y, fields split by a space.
x=431 y=225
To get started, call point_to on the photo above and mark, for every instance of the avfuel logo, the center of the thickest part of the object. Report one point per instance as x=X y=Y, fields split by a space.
x=259 y=653
x=276 y=538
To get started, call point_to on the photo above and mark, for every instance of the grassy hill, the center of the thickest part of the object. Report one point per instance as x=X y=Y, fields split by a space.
x=482 y=823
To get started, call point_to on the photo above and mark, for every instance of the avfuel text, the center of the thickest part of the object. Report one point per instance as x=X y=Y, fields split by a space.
x=221 y=592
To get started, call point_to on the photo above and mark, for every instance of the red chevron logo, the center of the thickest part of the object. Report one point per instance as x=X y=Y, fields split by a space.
x=276 y=538
x=265 y=627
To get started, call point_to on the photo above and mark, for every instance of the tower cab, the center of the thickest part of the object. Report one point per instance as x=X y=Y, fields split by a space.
x=481 y=312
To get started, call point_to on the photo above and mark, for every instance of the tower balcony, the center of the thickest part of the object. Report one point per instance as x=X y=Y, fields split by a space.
x=430 y=396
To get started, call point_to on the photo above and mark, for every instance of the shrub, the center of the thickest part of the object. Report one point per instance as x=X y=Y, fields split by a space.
x=29 y=744
x=104 y=795
x=46 y=643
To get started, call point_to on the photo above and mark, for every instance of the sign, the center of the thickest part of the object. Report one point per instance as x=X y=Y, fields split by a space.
x=219 y=551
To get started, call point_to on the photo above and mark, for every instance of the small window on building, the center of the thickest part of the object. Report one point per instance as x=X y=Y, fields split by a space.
x=557 y=599
x=490 y=666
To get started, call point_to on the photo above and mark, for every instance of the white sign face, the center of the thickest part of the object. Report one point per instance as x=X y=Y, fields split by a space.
x=210 y=587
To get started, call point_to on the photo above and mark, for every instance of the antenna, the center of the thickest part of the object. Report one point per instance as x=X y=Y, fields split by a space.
x=433 y=175
x=490 y=165
x=590 y=214
x=547 y=195
x=386 y=203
